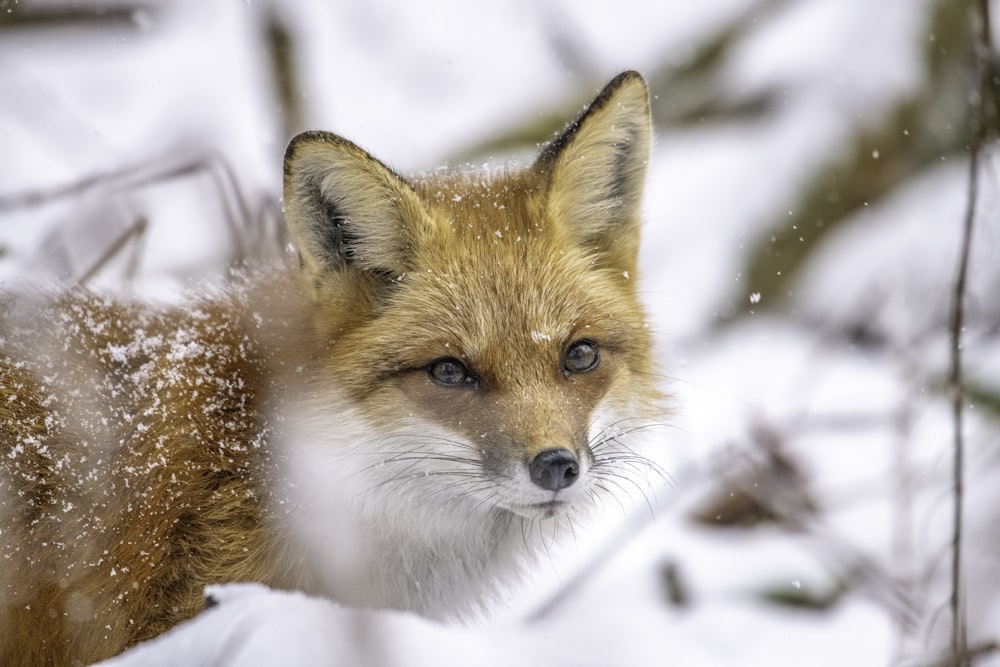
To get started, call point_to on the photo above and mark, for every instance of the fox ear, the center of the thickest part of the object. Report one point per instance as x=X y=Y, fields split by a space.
x=595 y=171
x=345 y=208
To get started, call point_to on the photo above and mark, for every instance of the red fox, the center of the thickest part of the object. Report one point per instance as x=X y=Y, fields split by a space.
x=447 y=378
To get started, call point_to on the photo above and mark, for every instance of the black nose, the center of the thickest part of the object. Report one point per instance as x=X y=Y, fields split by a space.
x=554 y=469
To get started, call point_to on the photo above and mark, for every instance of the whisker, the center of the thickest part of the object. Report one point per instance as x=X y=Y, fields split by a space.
x=642 y=424
x=507 y=518
x=608 y=447
x=489 y=498
x=609 y=474
x=441 y=490
x=545 y=543
x=594 y=498
x=640 y=465
x=610 y=494
x=415 y=456
x=613 y=479
x=525 y=529
x=572 y=529
x=428 y=437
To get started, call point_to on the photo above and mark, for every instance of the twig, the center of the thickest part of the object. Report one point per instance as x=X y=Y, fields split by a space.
x=984 y=50
x=244 y=230
x=134 y=231
x=975 y=651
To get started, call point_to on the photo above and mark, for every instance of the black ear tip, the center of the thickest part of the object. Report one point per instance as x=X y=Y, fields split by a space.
x=307 y=137
x=314 y=135
x=302 y=138
x=628 y=75
x=295 y=145
x=625 y=78
x=310 y=138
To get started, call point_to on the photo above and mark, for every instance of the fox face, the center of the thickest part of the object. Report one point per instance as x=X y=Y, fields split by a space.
x=488 y=327
x=515 y=384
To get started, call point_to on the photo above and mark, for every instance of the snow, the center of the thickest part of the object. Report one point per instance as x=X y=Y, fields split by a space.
x=416 y=83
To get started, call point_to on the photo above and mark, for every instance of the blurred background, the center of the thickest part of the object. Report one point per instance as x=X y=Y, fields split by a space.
x=803 y=216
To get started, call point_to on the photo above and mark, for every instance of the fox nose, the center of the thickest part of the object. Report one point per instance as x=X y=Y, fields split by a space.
x=554 y=469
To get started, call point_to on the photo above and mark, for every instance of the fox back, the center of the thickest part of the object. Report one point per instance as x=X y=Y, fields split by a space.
x=447 y=377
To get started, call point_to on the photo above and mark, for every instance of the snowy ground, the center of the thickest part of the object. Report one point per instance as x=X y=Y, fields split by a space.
x=863 y=504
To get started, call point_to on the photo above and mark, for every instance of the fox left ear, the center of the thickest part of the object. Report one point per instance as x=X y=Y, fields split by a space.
x=347 y=211
x=595 y=171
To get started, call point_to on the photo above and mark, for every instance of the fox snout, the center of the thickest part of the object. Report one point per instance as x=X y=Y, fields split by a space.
x=546 y=479
x=554 y=469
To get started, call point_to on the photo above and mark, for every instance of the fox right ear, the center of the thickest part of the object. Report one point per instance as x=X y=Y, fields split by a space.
x=346 y=209
x=595 y=171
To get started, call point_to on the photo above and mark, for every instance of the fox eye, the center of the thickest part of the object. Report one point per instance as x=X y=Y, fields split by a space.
x=449 y=372
x=581 y=357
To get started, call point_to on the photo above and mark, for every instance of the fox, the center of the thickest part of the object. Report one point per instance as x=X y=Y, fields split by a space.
x=446 y=374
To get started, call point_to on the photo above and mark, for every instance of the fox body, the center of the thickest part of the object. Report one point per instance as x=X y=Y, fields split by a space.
x=445 y=380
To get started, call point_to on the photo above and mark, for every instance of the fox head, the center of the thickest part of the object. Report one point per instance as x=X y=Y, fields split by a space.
x=486 y=327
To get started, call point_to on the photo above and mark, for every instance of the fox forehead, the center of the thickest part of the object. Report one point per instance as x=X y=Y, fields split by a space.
x=473 y=222
x=503 y=307
x=506 y=306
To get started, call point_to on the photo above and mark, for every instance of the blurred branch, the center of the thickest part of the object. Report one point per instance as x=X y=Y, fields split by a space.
x=766 y=485
x=33 y=16
x=280 y=47
x=255 y=228
x=980 y=127
x=981 y=650
x=917 y=132
x=132 y=233
x=684 y=93
x=692 y=92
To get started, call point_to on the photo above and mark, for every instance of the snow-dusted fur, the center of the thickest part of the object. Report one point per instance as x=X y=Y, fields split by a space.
x=365 y=425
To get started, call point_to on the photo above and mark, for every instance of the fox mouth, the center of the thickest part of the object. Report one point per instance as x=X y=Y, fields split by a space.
x=543 y=510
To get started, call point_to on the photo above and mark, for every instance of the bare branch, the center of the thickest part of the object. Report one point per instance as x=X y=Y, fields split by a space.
x=984 y=50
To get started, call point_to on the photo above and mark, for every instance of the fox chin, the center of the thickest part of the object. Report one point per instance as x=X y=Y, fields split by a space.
x=452 y=371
